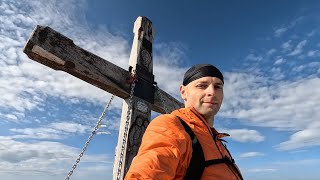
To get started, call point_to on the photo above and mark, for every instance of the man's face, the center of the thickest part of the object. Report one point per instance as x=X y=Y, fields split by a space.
x=204 y=94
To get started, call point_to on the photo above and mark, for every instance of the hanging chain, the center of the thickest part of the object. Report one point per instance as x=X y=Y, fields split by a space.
x=161 y=98
x=89 y=139
x=133 y=80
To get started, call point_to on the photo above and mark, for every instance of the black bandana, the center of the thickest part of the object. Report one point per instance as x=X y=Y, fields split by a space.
x=201 y=70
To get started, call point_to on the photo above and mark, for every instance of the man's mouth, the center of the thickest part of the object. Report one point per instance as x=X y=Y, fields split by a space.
x=209 y=102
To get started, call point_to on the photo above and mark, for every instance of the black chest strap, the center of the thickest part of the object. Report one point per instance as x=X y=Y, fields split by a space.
x=198 y=162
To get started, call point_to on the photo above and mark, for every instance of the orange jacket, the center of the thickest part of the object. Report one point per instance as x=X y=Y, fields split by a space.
x=166 y=149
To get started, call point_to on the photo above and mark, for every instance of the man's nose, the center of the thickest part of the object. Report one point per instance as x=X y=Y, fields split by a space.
x=211 y=91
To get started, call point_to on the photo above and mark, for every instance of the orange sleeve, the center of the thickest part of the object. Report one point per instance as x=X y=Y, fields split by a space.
x=165 y=151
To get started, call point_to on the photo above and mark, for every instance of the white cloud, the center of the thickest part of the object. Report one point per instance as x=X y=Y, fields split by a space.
x=299 y=68
x=286 y=46
x=11 y=116
x=298 y=162
x=271 y=51
x=277 y=73
x=244 y=135
x=46 y=158
x=175 y=75
x=69 y=127
x=280 y=31
x=169 y=54
x=60 y=130
x=262 y=102
x=25 y=85
x=311 y=67
x=250 y=154
x=298 y=48
x=279 y=61
x=285 y=105
x=313 y=53
x=260 y=170
x=296 y=21
x=312 y=33
x=253 y=57
x=303 y=139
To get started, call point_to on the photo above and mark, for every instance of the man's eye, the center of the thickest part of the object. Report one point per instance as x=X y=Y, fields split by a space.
x=218 y=87
x=201 y=86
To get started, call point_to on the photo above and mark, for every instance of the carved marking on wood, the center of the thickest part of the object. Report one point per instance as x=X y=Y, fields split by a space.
x=137 y=130
x=141 y=106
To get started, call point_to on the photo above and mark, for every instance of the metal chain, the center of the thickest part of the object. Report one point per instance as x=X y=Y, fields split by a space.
x=161 y=98
x=126 y=128
x=89 y=139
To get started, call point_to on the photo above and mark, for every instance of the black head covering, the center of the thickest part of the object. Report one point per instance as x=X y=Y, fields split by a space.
x=201 y=70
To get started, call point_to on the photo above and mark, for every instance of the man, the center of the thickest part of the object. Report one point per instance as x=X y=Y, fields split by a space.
x=168 y=151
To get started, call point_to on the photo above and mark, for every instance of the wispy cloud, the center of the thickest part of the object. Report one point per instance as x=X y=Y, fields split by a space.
x=25 y=85
x=250 y=154
x=313 y=53
x=287 y=46
x=277 y=73
x=298 y=49
x=311 y=67
x=60 y=130
x=244 y=135
x=271 y=52
x=49 y=158
x=278 y=105
x=279 y=61
x=253 y=57
x=298 y=162
x=278 y=32
x=312 y=33
x=261 y=170
x=305 y=138
x=270 y=95
x=289 y=103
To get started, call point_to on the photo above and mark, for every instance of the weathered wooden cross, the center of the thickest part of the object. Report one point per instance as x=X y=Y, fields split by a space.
x=56 y=51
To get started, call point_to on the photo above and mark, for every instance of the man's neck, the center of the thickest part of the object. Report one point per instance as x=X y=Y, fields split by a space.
x=210 y=120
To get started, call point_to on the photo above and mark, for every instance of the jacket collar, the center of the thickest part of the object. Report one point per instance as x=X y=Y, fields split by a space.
x=192 y=114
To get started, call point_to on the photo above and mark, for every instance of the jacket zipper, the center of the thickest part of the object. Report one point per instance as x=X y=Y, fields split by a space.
x=214 y=139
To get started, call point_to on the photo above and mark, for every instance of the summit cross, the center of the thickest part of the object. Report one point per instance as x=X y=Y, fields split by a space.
x=58 y=52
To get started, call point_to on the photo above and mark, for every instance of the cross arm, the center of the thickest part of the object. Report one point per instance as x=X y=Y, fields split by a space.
x=166 y=100
x=58 y=52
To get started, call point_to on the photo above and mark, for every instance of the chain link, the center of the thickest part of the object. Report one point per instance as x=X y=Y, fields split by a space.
x=126 y=129
x=89 y=139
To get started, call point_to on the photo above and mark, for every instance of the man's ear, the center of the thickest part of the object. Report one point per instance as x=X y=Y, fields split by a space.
x=183 y=92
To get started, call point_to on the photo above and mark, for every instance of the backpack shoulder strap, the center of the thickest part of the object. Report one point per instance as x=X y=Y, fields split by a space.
x=197 y=162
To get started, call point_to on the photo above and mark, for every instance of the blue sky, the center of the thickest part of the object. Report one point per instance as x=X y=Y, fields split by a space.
x=268 y=51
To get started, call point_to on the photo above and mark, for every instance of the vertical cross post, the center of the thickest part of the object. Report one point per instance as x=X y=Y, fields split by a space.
x=136 y=116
